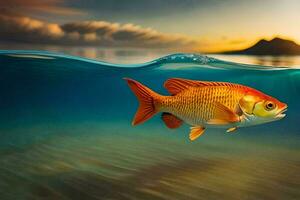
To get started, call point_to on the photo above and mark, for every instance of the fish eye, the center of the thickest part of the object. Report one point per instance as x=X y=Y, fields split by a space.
x=269 y=105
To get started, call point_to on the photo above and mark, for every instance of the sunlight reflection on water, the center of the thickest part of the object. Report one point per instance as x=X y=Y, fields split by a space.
x=133 y=55
x=127 y=56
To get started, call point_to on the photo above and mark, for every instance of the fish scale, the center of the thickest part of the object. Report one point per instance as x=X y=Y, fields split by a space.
x=195 y=105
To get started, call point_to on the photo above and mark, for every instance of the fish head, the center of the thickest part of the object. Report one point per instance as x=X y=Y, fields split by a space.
x=261 y=108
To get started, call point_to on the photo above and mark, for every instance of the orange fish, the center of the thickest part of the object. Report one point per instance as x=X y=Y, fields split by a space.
x=203 y=104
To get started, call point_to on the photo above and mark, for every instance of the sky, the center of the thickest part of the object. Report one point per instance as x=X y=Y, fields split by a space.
x=197 y=25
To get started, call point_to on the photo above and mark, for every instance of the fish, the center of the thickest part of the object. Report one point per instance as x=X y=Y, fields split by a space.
x=205 y=104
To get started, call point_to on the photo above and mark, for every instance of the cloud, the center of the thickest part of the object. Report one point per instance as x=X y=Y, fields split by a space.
x=22 y=29
x=37 y=6
x=25 y=29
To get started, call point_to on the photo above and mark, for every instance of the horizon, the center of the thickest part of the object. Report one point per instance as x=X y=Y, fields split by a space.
x=156 y=25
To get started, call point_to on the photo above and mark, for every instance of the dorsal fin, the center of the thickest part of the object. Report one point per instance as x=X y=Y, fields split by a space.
x=176 y=85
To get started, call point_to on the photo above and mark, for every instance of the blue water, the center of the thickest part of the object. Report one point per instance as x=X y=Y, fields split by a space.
x=66 y=133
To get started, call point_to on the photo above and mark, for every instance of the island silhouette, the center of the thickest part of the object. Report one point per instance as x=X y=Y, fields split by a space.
x=276 y=46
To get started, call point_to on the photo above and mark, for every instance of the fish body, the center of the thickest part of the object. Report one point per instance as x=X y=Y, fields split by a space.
x=196 y=105
x=203 y=104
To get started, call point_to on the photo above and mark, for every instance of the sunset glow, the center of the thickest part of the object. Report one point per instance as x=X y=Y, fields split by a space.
x=204 y=26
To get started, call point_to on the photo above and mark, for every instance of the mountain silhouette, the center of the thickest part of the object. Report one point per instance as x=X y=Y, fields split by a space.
x=276 y=46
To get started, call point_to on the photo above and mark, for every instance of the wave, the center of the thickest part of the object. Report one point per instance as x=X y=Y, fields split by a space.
x=195 y=60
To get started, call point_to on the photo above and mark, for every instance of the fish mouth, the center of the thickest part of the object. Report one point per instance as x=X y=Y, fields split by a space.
x=281 y=113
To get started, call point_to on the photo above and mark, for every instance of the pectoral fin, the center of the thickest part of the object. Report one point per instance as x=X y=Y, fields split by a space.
x=223 y=115
x=196 y=132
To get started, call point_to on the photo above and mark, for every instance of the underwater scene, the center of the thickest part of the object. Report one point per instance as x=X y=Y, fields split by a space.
x=66 y=132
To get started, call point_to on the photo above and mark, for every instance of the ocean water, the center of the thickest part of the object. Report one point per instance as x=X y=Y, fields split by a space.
x=66 y=133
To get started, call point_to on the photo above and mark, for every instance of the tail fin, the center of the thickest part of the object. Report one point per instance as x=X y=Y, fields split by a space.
x=146 y=98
